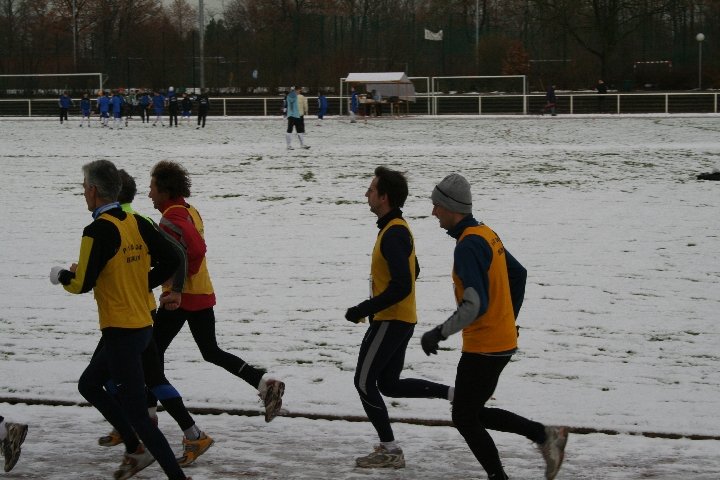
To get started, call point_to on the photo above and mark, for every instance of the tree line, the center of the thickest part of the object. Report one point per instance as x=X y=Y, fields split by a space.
x=256 y=46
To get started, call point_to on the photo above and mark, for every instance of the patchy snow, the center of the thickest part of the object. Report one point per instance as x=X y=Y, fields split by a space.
x=619 y=325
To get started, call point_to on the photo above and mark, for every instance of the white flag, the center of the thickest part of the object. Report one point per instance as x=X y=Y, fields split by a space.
x=433 y=36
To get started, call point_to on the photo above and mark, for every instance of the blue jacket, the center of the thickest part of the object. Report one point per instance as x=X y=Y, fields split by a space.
x=145 y=100
x=117 y=102
x=354 y=102
x=322 y=103
x=104 y=103
x=85 y=105
x=158 y=102
x=65 y=101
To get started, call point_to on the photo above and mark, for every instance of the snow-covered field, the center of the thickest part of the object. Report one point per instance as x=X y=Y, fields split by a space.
x=619 y=326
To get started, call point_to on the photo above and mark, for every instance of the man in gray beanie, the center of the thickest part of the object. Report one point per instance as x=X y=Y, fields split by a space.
x=489 y=290
x=453 y=193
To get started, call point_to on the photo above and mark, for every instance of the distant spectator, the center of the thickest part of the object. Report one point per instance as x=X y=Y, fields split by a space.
x=172 y=102
x=322 y=105
x=85 y=109
x=550 y=101
x=203 y=107
x=117 y=102
x=602 y=91
x=186 y=107
x=158 y=103
x=377 y=102
x=294 y=120
x=65 y=102
x=144 y=103
x=104 y=108
x=354 y=104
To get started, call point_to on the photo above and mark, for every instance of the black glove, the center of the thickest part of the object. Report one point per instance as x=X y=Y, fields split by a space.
x=354 y=315
x=430 y=340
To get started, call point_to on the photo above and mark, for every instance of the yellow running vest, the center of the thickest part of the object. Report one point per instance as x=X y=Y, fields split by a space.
x=199 y=283
x=121 y=290
x=405 y=309
x=494 y=331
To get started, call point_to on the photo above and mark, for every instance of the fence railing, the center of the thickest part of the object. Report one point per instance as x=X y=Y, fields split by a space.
x=438 y=104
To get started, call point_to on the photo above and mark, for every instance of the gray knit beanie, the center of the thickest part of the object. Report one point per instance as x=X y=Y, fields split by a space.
x=453 y=193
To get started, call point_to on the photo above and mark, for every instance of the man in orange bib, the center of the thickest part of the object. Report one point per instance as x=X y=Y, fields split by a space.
x=489 y=290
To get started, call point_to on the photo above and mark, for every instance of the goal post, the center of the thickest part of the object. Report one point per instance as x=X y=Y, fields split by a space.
x=479 y=85
x=54 y=86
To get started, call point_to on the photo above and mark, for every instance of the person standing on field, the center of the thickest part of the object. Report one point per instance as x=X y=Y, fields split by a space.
x=322 y=106
x=489 y=286
x=144 y=103
x=172 y=102
x=294 y=120
x=85 y=109
x=65 y=103
x=158 y=103
x=117 y=103
x=203 y=102
x=392 y=313
x=186 y=107
x=354 y=104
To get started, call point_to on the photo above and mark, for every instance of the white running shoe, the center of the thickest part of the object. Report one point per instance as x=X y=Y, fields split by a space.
x=133 y=462
x=272 y=398
x=16 y=433
x=381 y=457
x=553 y=450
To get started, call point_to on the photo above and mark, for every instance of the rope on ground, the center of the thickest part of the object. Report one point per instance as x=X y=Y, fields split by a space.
x=356 y=418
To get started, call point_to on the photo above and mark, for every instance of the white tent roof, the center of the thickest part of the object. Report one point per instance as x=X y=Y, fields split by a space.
x=378 y=77
x=388 y=84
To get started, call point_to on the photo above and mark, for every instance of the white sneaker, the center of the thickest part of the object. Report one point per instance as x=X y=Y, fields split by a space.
x=553 y=450
x=16 y=433
x=306 y=147
x=272 y=398
x=290 y=148
x=381 y=457
x=133 y=462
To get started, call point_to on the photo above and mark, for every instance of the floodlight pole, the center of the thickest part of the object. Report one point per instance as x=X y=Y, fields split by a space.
x=201 y=43
x=477 y=36
x=74 y=33
x=699 y=37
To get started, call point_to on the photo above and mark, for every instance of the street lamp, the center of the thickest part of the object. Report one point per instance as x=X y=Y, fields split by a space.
x=201 y=27
x=699 y=37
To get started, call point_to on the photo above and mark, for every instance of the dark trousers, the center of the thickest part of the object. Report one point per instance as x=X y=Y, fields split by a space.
x=202 y=326
x=202 y=115
x=158 y=384
x=144 y=114
x=173 y=115
x=380 y=363
x=477 y=378
x=119 y=359
x=63 y=114
x=297 y=123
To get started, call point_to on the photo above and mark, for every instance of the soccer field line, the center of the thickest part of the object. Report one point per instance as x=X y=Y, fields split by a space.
x=357 y=418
